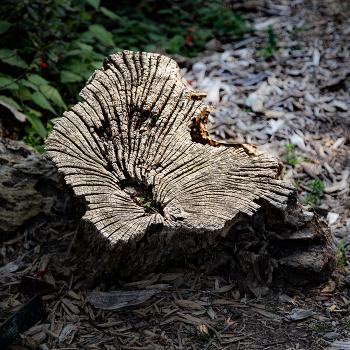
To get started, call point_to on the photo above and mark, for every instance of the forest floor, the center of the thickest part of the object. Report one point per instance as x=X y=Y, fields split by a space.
x=283 y=88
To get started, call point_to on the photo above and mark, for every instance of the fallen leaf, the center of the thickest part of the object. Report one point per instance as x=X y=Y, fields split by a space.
x=187 y=304
x=329 y=288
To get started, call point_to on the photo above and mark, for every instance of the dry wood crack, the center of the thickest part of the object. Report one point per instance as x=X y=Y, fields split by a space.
x=155 y=190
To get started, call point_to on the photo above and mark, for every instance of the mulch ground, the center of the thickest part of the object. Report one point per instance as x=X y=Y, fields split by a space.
x=292 y=102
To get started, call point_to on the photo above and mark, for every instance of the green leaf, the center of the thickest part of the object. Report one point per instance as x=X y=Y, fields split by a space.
x=84 y=47
x=97 y=56
x=29 y=84
x=97 y=64
x=69 y=77
x=5 y=81
x=41 y=101
x=341 y=244
x=10 y=102
x=37 y=79
x=88 y=74
x=165 y=12
x=33 y=111
x=12 y=58
x=75 y=53
x=87 y=37
x=37 y=125
x=85 y=16
x=52 y=94
x=110 y=14
x=4 y=26
x=24 y=93
x=102 y=34
x=94 y=3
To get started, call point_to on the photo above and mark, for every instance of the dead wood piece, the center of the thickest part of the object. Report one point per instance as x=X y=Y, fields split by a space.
x=118 y=299
x=28 y=185
x=155 y=190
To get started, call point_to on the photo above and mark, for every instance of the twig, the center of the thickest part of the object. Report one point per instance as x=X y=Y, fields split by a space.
x=14 y=52
x=20 y=77
x=71 y=244
x=207 y=346
x=241 y=329
x=215 y=331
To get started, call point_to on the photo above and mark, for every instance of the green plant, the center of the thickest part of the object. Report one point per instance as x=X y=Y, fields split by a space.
x=142 y=199
x=341 y=245
x=319 y=326
x=342 y=260
x=316 y=188
x=203 y=334
x=271 y=38
x=346 y=324
x=303 y=28
x=44 y=59
x=5 y=312
x=148 y=204
x=271 y=41
x=190 y=336
x=291 y=154
x=33 y=140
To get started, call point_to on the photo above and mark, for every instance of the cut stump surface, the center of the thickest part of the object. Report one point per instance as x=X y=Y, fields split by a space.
x=155 y=190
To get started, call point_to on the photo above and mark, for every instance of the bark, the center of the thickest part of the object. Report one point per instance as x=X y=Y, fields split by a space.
x=154 y=189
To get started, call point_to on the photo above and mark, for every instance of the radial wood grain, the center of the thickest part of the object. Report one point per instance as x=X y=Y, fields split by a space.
x=139 y=125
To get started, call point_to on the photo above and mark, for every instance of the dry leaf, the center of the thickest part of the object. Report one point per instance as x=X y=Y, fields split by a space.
x=187 y=304
x=330 y=288
x=224 y=288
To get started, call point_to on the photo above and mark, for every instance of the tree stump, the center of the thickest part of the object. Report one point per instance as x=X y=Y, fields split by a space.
x=156 y=191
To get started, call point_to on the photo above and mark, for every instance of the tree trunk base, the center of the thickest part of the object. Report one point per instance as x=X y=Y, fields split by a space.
x=156 y=191
x=255 y=250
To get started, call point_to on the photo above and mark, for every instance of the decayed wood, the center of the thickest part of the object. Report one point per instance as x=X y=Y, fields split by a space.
x=156 y=190
x=28 y=185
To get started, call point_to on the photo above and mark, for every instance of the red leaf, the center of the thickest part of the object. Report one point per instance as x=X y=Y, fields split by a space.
x=43 y=271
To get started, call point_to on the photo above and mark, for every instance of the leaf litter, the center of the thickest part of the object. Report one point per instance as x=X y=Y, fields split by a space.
x=291 y=102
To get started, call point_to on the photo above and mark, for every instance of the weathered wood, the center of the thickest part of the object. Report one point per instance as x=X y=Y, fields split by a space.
x=28 y=185
x=140 y=132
